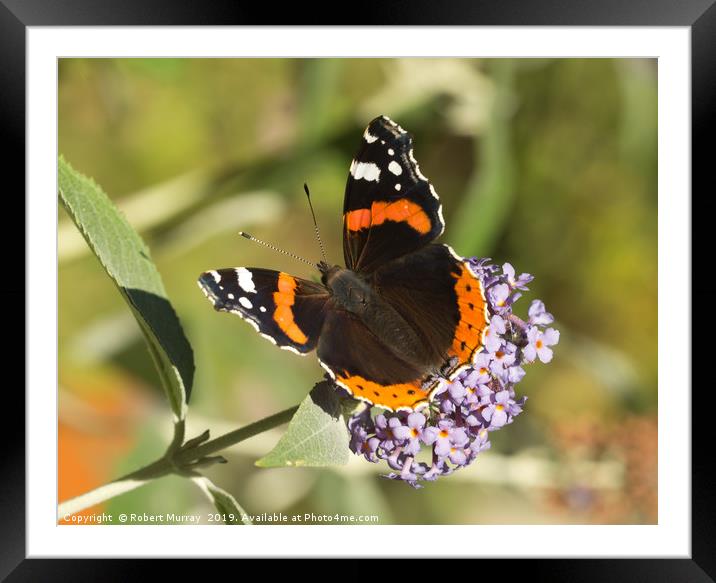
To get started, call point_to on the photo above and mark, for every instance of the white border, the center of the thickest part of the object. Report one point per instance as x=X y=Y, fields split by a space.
x=671 y=537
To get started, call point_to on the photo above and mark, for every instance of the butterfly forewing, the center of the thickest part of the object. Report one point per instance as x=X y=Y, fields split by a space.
x=390 y=209
x=287 y=310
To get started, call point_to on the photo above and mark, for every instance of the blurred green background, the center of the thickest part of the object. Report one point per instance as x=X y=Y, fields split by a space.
x=548 y=164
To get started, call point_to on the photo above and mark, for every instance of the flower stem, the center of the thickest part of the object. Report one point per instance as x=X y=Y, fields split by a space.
x=171 y=463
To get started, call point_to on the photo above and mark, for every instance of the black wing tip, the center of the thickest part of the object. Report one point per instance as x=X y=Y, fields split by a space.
x=208 y=279
x=384 y=127
x=208 y=284
x=385 y=120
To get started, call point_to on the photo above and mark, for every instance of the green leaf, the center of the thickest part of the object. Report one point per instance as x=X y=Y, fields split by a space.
x=225 y=503
x=316 y=436
x=126 y=260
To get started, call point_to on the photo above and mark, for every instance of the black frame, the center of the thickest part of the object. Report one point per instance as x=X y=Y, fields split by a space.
x=700 y=15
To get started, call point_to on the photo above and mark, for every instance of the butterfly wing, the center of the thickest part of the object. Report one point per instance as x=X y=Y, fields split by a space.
x=390 y=209
x=357 y=360
x=439 y=296
x=287 y=310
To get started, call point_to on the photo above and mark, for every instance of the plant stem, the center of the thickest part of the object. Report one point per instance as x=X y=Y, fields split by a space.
x=236 y=436
x=171 y=463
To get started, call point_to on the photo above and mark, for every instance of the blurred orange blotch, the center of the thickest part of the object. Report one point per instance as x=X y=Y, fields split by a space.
x=94 y=433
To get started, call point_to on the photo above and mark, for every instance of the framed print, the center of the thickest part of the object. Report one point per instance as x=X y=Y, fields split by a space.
x=494 y=316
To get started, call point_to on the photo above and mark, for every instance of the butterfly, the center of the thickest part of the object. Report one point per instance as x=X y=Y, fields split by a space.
x=403 y=316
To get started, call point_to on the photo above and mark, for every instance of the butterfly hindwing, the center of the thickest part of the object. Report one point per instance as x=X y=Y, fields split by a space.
x=390 y=209
x=370 y=370
x=438 y=295
x=285 y=309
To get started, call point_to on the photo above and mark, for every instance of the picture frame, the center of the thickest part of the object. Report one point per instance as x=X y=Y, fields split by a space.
x=700 y=17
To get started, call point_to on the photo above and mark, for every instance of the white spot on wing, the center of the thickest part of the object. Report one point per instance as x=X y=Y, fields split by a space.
x=261 y=308
x=216 y=276
x=246 y=280
x=246 y=303
x=368 y=137
x=397 y=186
x=391 y=152
x=395 y=168
x=230 y=296
x=365 y=170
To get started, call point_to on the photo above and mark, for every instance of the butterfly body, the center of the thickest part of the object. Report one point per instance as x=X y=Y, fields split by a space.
x=404 y=315
x=352 y=293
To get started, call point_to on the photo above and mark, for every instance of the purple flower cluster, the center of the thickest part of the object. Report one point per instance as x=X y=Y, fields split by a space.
x=455 y=428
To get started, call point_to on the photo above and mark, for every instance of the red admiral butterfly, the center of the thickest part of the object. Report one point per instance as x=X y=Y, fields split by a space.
x=404 y=314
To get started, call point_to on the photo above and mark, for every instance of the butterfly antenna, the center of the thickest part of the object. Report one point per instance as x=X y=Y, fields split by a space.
x=315 y=223
x=265 y=244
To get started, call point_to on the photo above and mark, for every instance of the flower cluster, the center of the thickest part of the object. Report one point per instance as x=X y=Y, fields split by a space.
x=456 y=427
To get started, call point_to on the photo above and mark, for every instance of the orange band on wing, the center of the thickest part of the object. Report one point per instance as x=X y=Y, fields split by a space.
x=398 y=211
x=473 y=315
x=398 y=396
x=284 y=298
x=357 y=220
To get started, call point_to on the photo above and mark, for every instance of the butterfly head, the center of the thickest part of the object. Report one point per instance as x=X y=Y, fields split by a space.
x=328 y=272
